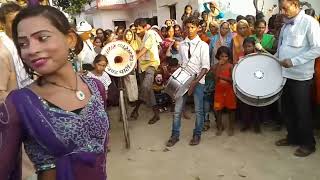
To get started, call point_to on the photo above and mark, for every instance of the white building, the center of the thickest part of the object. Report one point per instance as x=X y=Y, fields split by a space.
x=109 y=13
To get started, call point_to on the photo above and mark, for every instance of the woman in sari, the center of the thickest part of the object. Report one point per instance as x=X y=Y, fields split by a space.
x=243 y=31
x=166 y=43
x=267 y=41
x=130 y=80
x=60 y=118
x=223 y=38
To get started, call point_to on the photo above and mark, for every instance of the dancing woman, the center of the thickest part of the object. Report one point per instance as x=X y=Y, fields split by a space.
x=60 y=118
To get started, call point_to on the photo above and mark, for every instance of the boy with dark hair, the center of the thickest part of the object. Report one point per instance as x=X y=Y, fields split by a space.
x=148 y=59
x=195 y=55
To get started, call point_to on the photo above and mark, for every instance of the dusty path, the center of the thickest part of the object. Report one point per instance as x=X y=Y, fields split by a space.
x=245 y=156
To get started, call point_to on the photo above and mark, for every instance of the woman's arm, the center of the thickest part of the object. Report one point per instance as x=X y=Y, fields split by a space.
x=10 y=142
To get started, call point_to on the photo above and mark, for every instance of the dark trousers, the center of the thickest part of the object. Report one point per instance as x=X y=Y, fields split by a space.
x=296 y=101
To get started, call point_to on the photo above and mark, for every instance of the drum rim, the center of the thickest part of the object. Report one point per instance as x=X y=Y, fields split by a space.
x=252 y=96
x=129 y=47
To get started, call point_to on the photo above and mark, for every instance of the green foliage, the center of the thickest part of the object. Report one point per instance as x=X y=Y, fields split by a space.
x=72 y=6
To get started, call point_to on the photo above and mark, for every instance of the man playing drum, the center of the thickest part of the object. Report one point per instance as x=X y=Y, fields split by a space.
x=148 y=62
x=299 y=45
x=195 y=54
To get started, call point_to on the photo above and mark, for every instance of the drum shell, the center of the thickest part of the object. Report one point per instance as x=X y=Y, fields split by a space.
x=179 y=82
x=255 y=100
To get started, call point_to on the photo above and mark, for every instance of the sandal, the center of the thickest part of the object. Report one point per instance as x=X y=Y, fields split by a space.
x=172 y=141
x=154 y=119
x=284 y=142
x=195 y=140
x=304 y=151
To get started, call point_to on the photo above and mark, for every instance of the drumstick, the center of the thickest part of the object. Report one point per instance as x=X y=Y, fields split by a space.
x=260 y=48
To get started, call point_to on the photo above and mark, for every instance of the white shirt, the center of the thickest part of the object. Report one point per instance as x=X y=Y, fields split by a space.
x=23 y=78
x=87 y=54
x=300 y=42
x=105 y=79
x=199 y=51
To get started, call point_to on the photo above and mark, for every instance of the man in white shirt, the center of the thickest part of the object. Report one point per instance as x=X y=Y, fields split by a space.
x=299 y=46
x=87 y=54
x=195 y=54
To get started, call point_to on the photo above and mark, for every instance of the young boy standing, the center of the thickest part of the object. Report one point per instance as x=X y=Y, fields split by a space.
x=195 y=54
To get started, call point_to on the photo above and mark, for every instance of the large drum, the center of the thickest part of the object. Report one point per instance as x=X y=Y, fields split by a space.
x=258 y=80
x=179 y=82
x=121 y=58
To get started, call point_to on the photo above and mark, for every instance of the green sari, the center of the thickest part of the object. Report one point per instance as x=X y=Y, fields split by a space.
x=267 y=41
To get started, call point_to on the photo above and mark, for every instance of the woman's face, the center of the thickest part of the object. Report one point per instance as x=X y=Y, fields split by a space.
x=170 y=33
x=129 y=36
x=242 y=29
x=97 y=43
x=260 y=29
x=100 y=34
x=100 y=66
x=224 y=29
x=163 y=32
x=212 y=7
x=168 y=23
x=188 y=10
x=43 y=47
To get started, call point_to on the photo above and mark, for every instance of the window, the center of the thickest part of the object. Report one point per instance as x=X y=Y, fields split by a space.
x=172 y=9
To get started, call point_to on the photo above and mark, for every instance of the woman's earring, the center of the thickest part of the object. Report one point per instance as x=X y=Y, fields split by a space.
x=71 y=55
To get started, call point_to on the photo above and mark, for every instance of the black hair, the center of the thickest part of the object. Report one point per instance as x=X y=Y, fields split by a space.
x=249 y=40
x=310 y=12
x=271 y=21
x=260 y=15
x=250 y=19
x=167 y=21
x=192 y=20
x=259 y=21
x=240 y=17
x=177 y=26
x=8 y=8
x=55 y=17
x=125 y=33
x=140 y=22
x=169 y=27
x=232 y=21
x=185 y=8
x=99 y=29
x=224 y=49
x=202 y=22
x=204 y=12
x=99 y=58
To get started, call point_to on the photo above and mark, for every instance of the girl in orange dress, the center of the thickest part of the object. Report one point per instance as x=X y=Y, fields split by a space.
x=224 y=97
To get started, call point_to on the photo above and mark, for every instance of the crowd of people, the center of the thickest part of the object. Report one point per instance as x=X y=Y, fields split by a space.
x=46 y=61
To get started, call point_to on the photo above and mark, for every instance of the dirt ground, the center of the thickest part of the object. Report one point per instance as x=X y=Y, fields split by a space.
x=245 y=156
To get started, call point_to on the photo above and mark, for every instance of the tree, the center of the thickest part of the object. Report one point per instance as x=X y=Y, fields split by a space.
x=71 y=6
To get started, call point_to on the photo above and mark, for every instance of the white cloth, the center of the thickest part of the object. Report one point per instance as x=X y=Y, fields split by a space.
x=157 y=36
x=199 y=51
x=87 y=54
x=300 y=41
x=105 y=79
x=23 y=78
x=130 y=82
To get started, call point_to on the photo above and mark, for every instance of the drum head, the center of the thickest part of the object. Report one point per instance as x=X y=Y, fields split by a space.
x=258 y=75
x=121 y=58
